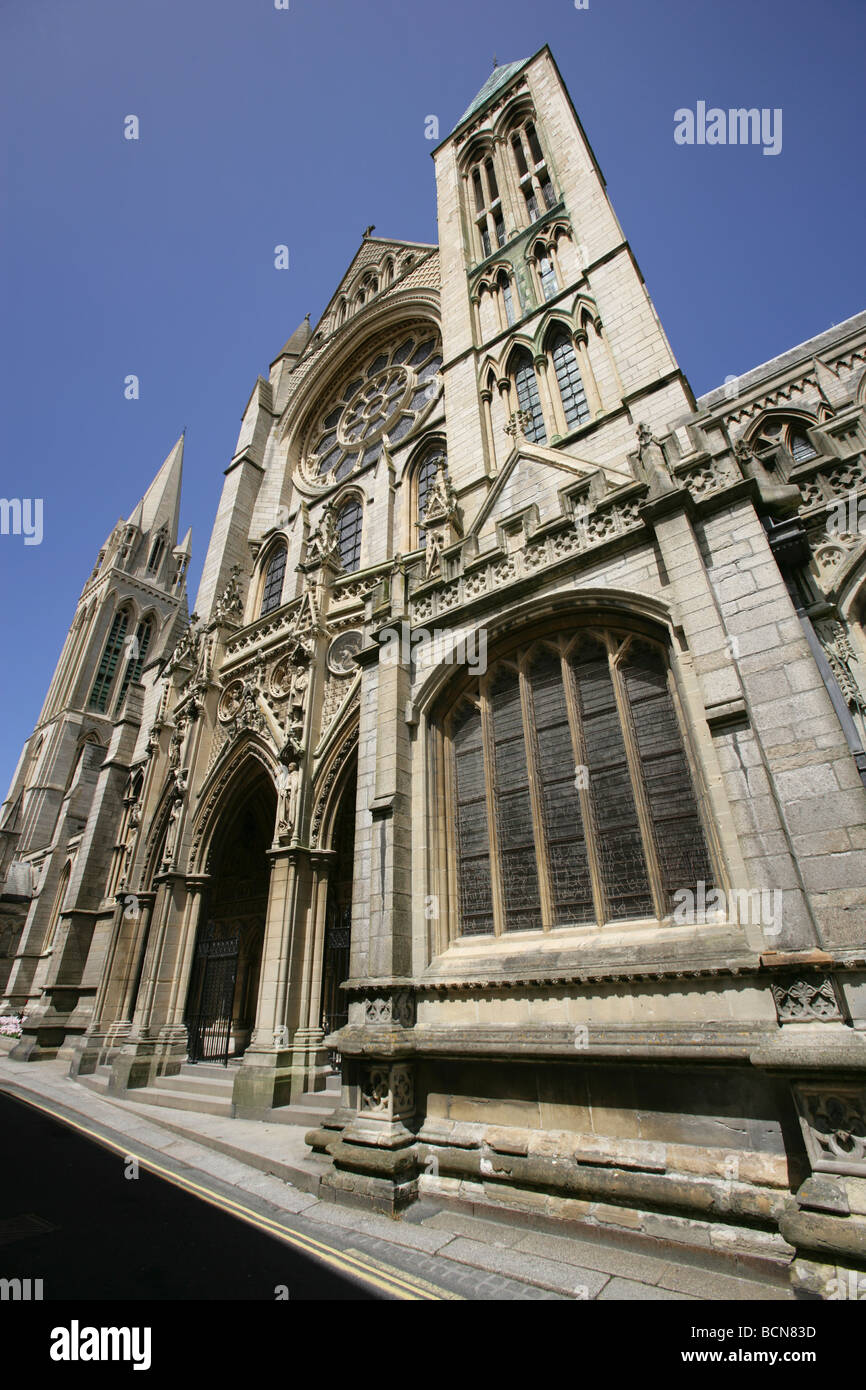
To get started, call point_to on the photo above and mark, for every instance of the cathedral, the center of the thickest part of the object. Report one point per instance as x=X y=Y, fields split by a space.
x=504 y=790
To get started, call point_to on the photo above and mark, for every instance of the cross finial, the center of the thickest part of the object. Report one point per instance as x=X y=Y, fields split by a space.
x=495 y=61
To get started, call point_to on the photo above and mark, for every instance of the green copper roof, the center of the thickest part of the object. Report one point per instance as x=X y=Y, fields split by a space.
x=497 y=79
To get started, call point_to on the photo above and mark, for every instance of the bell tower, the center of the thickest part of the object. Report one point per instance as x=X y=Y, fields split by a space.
x=127 y=612
x=549 y=332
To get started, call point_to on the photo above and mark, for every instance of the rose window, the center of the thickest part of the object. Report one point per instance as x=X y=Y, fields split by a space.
x=383 y=403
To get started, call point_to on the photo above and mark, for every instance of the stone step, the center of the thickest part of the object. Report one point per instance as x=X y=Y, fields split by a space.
x=96 y=1080
x=209 y=1068
x=220 y=1087
x=179 y=1100
x=319 y=1100
x=299 y=1114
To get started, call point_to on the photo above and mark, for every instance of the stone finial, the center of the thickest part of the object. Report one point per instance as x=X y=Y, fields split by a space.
x=229 y=607
x=518 y=423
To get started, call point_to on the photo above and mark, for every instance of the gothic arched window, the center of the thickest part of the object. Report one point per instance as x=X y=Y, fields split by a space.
x=790 y=434
x=111 y=654
x=135 y=663
x=528 y=399
x=568 y=379
x=57 y=906
x=272 y=590
x=349 y=523
x=546 y=274
x=569 y=790
x=532 y=174
x=487 y=206
x=156 y=555
x=503 y=282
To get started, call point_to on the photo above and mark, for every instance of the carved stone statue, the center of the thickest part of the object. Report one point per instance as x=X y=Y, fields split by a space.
x=440 y=519
x=288 y=784
x=174 y=818
x=653 y=463
x=324 y=543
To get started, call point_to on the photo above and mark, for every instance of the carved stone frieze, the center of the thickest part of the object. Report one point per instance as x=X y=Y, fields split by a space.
x=395 y=1006
x=806 y=999
x=833 y=1121
x=588 y=530
x=388 y=1090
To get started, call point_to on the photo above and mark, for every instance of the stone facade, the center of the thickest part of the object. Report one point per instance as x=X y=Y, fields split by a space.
x=485 y=450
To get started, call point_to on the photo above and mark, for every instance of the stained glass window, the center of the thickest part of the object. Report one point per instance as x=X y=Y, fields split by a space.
x=349 y=534
x=528 y=398
x=135 y=664
x=547 y=275
x=108 y=663
x=571 y=792
x=507 y=297
x=569 y=380
x=272 y=593
x=395 y=388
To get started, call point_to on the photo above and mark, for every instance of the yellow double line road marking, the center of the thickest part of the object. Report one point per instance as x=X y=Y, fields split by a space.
x=386 y=1278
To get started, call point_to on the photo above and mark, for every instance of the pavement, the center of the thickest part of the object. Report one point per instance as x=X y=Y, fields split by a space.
x=262 y=1174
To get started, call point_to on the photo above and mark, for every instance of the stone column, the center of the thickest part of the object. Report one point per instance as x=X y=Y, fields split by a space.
x=376 y=1152
x=172 y=1033
x=486 y=404
x=587 y=375
x=265 y=1077
x=309 y=1053
x=111 y=1013
x=145 y=1055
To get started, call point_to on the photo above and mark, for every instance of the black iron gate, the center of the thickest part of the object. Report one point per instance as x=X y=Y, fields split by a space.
x=335 y=1012
x=212 y=996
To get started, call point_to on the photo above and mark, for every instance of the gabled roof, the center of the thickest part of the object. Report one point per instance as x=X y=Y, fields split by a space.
x=370 y=252
x=498 y=78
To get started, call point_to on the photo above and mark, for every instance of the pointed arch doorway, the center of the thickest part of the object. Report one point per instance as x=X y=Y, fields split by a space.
x=221 y=1003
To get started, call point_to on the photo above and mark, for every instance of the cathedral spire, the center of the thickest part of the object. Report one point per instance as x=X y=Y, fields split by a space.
x=160 y=505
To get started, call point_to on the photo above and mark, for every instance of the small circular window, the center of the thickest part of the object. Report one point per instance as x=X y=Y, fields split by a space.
x=383 y=401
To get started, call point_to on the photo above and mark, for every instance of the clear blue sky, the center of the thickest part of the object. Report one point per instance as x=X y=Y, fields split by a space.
x=261 y=127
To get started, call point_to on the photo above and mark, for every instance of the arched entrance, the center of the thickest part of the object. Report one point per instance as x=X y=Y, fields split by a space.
x=338 y=919
x=221 y=1004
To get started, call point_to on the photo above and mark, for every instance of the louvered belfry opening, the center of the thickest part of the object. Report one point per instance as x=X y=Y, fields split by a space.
x=570 y=797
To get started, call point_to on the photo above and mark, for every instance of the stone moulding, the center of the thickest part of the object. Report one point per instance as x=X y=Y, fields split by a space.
x=568 y=1042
